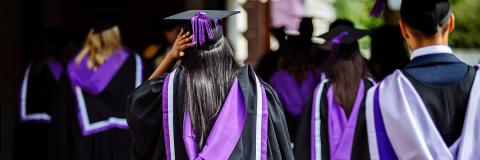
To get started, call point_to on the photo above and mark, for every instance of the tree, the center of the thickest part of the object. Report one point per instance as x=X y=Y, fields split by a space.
x=467 y=24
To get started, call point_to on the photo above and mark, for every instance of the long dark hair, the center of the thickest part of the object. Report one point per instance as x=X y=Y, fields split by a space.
x=345 y=74
x=209 y=75
x=298 y=54
x=297 y=59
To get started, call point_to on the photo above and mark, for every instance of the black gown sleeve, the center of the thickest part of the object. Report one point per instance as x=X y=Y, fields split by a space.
x=301 y=147
x=279 y=146
x=360 y=149
x=303 y=143
x=37 y=90
x=144 y=118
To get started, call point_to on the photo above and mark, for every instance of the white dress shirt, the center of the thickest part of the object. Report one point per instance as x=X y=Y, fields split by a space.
x=437 y=49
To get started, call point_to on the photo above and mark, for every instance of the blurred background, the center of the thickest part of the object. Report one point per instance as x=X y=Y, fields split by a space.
x=31 y=29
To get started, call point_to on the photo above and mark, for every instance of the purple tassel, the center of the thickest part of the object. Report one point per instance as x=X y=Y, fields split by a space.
x=201 y=29
x=194 y=30
x=337 y=40
x=216 y=23
x=200 y=25
x=377 y=8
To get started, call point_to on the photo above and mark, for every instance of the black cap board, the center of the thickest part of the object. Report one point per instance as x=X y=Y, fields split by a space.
x=343 y=39
x=340 y=22
x=104 y=19
x=211 y=14
x=425 y=15
x=102 y=25
x=205 y=25
x=352 y=36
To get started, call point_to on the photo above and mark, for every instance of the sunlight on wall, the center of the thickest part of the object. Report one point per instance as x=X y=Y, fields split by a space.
x=237 y=25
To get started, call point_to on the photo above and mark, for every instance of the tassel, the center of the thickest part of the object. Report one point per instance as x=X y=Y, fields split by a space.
x=336 y=42
x=377 y=8
x=200 y=25
x=194 y=30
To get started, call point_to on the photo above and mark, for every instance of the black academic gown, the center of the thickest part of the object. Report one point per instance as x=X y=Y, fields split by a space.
x=112 y=142
x=38 y=98
x=446 y=93
x=145 y=120
x=59 y=133
x=303 y=143
x=444 y=85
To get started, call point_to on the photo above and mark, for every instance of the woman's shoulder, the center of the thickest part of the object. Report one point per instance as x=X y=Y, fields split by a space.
x=148 y=90
x=248 y=79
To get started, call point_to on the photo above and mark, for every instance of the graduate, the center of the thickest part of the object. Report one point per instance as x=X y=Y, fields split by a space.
x=429 y=109
x=295 y=79
x=333 y=124
x=40 y=97
x=102 y=75
x=268 y=64
x=208 y=107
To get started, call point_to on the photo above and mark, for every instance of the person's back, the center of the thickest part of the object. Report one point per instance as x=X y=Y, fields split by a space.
x=40 y=95
x=333 y=125
x=295 y=78
x=428 y=109
x=101 y=75
x=208 y=107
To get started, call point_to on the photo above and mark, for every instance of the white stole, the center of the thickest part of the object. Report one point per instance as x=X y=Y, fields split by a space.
x=410 y=129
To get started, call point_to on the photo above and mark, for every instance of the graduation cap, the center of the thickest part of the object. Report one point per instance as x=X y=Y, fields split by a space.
x=103 y=25
x=343 y=39
x=425 y=15
x=204 y=25
x=104 y=19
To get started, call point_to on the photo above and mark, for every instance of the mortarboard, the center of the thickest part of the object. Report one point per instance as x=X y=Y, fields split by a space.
x=425 y=15
x=104 y=19
x=343 y=39
x=204 y=25
x=102 y=25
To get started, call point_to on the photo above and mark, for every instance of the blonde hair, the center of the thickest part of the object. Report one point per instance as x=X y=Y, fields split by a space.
x=99 y=46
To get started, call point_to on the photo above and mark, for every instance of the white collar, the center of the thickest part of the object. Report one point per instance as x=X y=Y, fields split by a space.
x=431 y=50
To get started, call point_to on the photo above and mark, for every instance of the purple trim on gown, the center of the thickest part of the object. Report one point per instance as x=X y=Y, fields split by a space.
x=341 y=129
x=264 y=137
x=166 y=132
x=225 y=133
x=56 y=68
x=22 y=112
x=293 y=95
x=236 y=96
x=94 y=82
x=385 y=149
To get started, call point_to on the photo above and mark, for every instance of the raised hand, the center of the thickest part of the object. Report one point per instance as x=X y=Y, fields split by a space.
x=183 y=41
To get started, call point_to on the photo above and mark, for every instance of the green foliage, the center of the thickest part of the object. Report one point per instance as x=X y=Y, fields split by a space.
x=467 y=20
x=467 y=24
x=358 y=11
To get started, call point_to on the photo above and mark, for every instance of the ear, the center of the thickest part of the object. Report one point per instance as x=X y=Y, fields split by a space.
x=451 y=23
x=403 y=28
